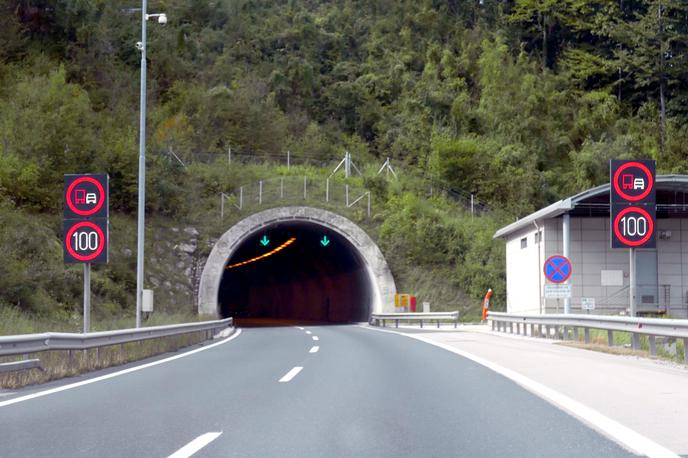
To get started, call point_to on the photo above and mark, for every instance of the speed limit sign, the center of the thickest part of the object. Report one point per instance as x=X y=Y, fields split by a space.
x=86 y=241
x=633 y=226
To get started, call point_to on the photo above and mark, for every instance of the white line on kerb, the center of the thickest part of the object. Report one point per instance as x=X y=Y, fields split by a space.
x=622 y=434
x=308 y=332
x=315 y=338
x=291 y=374
x=314 y=349
x=195 y=445
x=116 y=374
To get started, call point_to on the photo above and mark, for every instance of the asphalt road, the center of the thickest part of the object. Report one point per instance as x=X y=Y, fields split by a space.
x=362 y=394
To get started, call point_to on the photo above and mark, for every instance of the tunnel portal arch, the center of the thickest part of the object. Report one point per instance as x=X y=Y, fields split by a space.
x=379 y=275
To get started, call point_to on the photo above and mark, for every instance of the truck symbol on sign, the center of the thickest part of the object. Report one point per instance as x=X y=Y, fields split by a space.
x=629 y=182
x=81 y=197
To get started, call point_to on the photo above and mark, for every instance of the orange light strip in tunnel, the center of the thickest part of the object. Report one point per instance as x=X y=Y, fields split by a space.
x=265 y=255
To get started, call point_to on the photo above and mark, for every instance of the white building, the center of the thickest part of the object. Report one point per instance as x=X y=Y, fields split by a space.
x=599 y=272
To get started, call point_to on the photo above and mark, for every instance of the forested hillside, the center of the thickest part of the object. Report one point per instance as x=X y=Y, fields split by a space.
x=520 y=102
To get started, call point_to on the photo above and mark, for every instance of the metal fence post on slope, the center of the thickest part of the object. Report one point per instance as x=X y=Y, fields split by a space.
x=346 y=187
x=260 y=192
x=282 y=188
x=327 y=190
x=222 y=205
x=241 y=197
x=288 y=159
x=471 y=205
x=368 y=204
x=229 y=154
x=304 y=188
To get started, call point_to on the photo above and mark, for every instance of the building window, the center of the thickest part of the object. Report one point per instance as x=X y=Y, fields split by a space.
x=524 y=242
x=538 y=237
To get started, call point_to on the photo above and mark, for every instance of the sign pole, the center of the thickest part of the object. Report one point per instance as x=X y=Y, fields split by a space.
x=632 y=285
x=87 y=297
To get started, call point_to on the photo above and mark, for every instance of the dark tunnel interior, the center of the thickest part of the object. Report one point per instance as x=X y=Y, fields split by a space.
x=295 y=272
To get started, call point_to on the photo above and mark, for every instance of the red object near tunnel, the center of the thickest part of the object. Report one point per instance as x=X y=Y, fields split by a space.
x=413 y=304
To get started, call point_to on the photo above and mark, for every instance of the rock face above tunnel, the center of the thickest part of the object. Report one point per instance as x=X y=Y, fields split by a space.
x=382 y=282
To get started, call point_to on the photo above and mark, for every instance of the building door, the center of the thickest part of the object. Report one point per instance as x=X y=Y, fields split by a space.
x=646 y=279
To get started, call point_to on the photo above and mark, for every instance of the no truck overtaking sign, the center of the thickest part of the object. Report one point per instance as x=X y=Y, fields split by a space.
x=633 y=204
x=86 y=196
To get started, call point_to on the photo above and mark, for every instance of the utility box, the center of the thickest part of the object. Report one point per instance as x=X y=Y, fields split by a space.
x=147 y=301
x=401 y=303
x=426 y=307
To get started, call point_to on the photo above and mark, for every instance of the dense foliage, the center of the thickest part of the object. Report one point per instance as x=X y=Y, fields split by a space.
x=517 y=101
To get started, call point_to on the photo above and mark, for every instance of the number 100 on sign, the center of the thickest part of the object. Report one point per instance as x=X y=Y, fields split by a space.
x=86 y=241
x=633 y=227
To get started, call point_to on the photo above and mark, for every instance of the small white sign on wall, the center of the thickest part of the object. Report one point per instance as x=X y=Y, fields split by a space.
x=611 y=277
x=587 y=303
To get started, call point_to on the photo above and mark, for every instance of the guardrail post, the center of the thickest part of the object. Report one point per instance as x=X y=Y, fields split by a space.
x=421 y=323
x=384 y=323
x=586 y=333
x=547 y=331
x=653 y=345
x=456 y=321
x=685 y=350
x=397 y=320
x=610 y=338
x=635 y=341
x=511 y=327
x=565 y=333
x=438 y=324
x=575 y=333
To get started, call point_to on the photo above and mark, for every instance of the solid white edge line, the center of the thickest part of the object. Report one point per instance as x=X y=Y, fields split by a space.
x=309 y=332
x=316 y=338
x=291 y=374
x=314 y=349
x=116 y=374
x=613 y=429
x=195 y=445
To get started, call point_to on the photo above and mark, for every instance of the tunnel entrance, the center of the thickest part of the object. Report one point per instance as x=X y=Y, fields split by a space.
x=295 y=271
x=299 y=264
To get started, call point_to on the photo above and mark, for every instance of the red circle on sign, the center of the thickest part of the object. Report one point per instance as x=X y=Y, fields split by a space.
x=71 y=204
x=566 y=261
x=101 y=241
x=650 y=226
x=647 y=173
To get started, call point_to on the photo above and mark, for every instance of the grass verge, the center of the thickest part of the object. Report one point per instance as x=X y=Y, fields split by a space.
x=669 y=349
x=67 y=363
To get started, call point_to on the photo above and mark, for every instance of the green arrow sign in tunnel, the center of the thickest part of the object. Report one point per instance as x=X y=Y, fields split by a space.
x=316 y=266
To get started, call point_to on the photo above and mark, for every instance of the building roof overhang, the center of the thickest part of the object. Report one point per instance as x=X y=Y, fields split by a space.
x=663 y=182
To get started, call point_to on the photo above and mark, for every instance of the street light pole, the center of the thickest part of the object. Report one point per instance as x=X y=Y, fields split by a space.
x=142 y=169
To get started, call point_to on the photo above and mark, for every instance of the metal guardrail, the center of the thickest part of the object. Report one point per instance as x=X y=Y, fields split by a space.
x=34 y=343
x=20 y=365
x=561 y=324
x=376 y=318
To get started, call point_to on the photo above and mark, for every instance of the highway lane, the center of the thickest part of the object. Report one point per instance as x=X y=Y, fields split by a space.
x=362 y=393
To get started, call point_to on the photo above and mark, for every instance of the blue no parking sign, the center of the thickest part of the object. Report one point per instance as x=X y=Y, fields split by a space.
x=557 y=269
